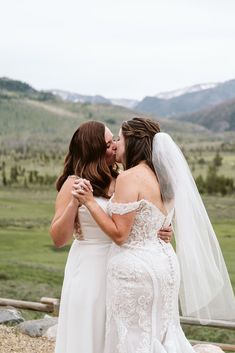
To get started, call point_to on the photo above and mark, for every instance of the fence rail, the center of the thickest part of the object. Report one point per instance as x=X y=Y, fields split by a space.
x=47 y=305
x=51 y=305
x=212 y=323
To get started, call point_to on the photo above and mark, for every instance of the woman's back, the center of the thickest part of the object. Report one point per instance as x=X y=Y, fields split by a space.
x=143 y=274
x=145 y=182
x=140 y=194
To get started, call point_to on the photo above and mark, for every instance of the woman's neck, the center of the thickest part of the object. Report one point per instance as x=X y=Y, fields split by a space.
x=111 y=188
x=143 y=163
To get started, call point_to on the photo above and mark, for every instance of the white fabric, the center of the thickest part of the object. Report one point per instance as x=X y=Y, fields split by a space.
x=207 y=348
x=143 y=280
x=205 y=291
x=81 y=327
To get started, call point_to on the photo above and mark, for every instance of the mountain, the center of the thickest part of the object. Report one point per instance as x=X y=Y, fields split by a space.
x=29 y=122
x=181 y=91
x=188 y=102
x=13 y=88
x=79 y=98
x=219 y=118
x=127 y=103
x=97 y=99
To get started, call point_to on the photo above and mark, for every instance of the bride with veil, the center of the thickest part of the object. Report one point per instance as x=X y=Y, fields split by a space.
x=145 y=276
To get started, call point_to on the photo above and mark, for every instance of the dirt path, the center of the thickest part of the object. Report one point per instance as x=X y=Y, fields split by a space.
x=14 y=342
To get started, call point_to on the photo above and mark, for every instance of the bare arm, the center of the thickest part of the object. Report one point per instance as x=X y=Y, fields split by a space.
x=118 y=227
x=66 y=210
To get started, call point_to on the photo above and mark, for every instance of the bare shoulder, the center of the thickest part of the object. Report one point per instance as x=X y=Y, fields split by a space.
x=127 y=176
x=65 y=192
x=126 y=189
x=68 y=184
x=136 y=174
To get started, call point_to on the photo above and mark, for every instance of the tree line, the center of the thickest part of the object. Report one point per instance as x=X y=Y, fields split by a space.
x=22 y=177
x=214 y=183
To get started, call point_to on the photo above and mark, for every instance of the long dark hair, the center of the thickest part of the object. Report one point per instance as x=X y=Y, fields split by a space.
x=138 y=134
x=86 y=158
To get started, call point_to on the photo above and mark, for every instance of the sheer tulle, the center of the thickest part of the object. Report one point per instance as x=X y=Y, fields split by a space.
x=205 y=291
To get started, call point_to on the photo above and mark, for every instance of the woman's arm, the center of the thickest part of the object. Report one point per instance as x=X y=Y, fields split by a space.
x=119 y=226
x=66 y=210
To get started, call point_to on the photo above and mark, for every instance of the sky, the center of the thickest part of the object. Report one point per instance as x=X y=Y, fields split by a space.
x=118 y=49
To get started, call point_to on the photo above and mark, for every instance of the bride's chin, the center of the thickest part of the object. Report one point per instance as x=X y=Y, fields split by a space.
x=118 y=160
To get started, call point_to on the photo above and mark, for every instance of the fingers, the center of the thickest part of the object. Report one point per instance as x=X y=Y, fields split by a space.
x=168 y=229
x=166 y=239
x=77 y=193
x=81 y=180
x=82 y=184
x=165 y=234
x=74 y=193
x=80 y=190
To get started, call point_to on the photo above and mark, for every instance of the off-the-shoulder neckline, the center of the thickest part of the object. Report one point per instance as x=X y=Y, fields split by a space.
x=138 y=202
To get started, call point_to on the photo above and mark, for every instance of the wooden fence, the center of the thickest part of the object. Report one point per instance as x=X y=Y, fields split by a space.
x=51 y=305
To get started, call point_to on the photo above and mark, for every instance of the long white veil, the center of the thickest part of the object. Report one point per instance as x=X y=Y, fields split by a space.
x=205 y=291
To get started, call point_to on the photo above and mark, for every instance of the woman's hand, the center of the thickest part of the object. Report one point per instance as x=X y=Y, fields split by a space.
x=66 y=212
x=80 y=183
x=82 y=191
x=166 y=234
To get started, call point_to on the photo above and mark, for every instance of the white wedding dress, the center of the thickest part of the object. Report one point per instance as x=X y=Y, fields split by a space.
x=81 y=327
x=143 y=280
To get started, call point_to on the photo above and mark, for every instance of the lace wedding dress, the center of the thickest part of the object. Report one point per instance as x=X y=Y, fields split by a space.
x=143 y=281
x=81 y=327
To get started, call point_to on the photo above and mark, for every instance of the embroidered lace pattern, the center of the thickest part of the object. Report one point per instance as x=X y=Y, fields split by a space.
x=142 y=282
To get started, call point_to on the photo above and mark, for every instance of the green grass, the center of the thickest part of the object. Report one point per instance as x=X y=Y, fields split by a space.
x=26 y=247
x=227 y=168
x=31 y=267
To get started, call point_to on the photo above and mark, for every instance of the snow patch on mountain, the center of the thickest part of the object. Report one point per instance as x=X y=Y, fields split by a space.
x=79 y=98
x=191 y=89
x=123 y=102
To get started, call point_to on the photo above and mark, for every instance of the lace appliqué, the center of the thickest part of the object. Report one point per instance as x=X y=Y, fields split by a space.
x=140 y=274
x=129 y=282
x=121 y=208
x=143 y=229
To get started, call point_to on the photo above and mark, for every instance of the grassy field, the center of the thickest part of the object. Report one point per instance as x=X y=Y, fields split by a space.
x=30 y=266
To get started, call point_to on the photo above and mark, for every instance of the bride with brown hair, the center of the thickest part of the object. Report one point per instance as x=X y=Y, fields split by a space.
x=144 y=274
x=91 y=155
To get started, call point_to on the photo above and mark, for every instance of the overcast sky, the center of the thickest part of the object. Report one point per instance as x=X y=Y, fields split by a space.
x=121 y=48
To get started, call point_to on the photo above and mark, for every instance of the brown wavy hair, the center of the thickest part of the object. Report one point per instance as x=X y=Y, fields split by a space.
x=86 y=158
x=138 y=135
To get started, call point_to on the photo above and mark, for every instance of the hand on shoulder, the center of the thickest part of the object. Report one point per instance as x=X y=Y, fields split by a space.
x=65 y=194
